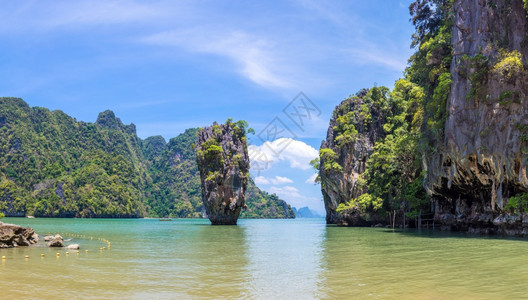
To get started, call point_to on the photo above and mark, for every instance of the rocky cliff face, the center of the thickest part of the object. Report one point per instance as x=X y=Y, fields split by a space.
x=483 y=160
x=344 y=154
x=223 y=163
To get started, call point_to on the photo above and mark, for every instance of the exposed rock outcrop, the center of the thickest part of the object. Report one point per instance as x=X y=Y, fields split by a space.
x=223 y=163
x=56 y=241
x=13 y=235
x=344 y=154
x=483 y=160
x=72 y=247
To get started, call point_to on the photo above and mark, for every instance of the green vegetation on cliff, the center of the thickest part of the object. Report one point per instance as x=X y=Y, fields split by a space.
x=518 y=204
x=260 y=204
x=392 y=177
x=394 y=169
x=54 y=166
x=430 y=64
x=175 y=188
x=389 y=131
x=383 y=139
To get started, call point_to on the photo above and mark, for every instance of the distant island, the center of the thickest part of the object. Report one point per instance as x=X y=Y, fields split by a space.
x=305 y=212
x=52 y=165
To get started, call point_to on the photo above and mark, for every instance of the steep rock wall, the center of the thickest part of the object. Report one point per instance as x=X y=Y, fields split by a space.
x=223 y=163
x=483 y=160
x=341 y=183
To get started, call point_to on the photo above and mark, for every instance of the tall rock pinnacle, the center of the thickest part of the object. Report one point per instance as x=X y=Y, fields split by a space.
x=223 y=163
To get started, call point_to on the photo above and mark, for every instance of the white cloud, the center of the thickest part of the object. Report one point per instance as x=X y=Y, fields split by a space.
x=37 y=16
x=311 y=179
x=271 y=53
x=298 y=154
x=261 y=180
x=281 y=180
x=254 y=55
x=277 y=180
x=287 y=192
x=372 y=55
x=327 y=10
x=362 y=48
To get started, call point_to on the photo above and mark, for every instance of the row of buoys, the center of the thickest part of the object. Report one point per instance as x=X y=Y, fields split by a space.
x=108 y=244
x=42 y=255
x=106 y=241
x=85 y=236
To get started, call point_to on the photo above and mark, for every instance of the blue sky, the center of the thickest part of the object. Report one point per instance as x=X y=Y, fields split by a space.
x=170 y=65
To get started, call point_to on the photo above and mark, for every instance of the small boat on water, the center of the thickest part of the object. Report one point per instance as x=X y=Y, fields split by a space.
x=165 y=219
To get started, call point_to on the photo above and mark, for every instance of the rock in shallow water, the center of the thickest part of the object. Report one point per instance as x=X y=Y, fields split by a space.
x=72 y=247
x=56 y=241
x=223 y=163
x=13 y=235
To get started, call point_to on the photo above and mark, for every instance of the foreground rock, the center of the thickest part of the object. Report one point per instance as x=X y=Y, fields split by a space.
x=484 y=159
x=223 y=163
x=72 y=247
x=56 y=241
x=13 y=235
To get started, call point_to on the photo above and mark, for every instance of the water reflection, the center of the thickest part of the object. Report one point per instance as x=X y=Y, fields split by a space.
x=285 y=258
x=341 y=264
x=218 y=261
x=372 y=263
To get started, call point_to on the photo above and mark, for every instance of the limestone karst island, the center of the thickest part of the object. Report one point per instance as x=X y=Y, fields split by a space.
x=264 y=150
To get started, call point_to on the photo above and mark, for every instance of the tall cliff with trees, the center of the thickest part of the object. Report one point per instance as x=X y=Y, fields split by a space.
x=478 y=180
x=370 y=167
x=450 y=137
x=223 y=162
x=52 y=165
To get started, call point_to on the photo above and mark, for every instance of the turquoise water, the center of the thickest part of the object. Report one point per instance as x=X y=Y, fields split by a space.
x=261 y=259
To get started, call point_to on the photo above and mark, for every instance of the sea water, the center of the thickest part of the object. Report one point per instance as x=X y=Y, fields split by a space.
x=260 y=259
